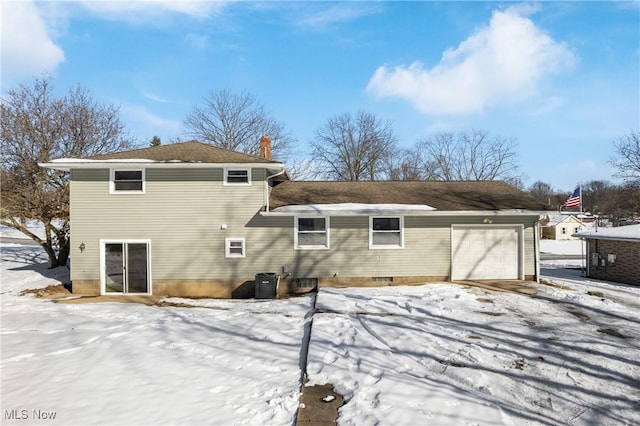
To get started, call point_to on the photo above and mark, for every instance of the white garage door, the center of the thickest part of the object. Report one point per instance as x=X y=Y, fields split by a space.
x=485 y=252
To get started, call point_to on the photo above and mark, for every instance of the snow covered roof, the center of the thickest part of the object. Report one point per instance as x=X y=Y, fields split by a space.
x=355 y=209
x=626 y=233
x=435 y=195
x=555 y=219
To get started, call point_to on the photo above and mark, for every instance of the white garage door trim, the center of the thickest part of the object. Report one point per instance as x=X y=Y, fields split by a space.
x=487 y=252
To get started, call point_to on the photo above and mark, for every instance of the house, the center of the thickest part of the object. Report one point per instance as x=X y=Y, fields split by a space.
x=613 y=254
x=194 y=220
x=561 y=227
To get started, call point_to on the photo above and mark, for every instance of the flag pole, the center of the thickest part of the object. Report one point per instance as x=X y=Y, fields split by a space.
x=582 y=240
x=580 y=188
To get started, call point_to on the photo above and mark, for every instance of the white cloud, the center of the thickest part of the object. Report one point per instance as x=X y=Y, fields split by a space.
x=500 y=63
x=154 y=98
x=145 y=122
x=139 y=11
x=27 y=48
x=340 y=12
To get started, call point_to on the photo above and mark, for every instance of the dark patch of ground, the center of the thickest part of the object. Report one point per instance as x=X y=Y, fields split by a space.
x=319 y=406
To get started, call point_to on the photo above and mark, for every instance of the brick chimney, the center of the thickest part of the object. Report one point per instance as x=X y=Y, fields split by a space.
x=265 y=147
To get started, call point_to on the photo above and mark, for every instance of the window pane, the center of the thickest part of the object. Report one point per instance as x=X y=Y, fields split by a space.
x=235 y=250
x=386 y=223
x=114 y=268
x=312 y=239
x=128 y=175
x=128 y=186
x=137 y=276
x=127 y=180
x=311 y=224
x=386 y=238
x=237 y=176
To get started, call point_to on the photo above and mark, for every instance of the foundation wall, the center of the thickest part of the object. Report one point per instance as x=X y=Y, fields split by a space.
x=244 y=289
x=86 y=287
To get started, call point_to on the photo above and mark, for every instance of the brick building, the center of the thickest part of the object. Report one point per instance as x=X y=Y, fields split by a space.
x=613 y=254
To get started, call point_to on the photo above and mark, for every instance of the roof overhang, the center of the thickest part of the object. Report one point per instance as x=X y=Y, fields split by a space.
x=606 y=237
x=390 y=209
x=609 y=238
x=621 y=233
x=69 y=164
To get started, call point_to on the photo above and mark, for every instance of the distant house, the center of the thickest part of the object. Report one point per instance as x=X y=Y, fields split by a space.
x=613 y=254
x=561 y=227
x=194 y=220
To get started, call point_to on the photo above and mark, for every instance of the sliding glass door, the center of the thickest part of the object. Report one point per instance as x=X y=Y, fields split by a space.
x=126 y=267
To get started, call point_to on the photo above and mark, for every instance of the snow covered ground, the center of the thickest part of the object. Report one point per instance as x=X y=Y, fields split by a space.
x=446 y=355
x=34 y=226
x=572 y=247
x=435 y=354
x=231 y=362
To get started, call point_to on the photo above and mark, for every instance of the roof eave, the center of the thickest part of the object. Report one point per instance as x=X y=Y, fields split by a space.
x=509 y=212
x=67 y=166
x=605 y=237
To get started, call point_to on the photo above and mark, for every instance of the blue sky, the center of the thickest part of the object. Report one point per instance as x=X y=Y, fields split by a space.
x=561 y=78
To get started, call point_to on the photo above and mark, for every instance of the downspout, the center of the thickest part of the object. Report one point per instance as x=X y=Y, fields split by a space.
x=266 y=187
x=536 y=241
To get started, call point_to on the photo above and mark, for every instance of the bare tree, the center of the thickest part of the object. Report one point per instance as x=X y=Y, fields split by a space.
x=406 y=164
x=627 y=156
x=628 y=201
x=542 y=192
x=353 y=147
x=236 y=121
x=470 y=155
x=618 y=203
x=38 y=126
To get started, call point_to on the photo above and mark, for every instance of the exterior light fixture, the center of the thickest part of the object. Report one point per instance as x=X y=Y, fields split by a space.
x=82 y=247
x=487 y=220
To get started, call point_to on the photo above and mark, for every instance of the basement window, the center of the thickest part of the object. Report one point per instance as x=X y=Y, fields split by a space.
x=127 y=181
x=306 y=282
x=382 y=279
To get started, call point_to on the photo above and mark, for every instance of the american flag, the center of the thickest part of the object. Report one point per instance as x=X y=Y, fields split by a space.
x=573 y=200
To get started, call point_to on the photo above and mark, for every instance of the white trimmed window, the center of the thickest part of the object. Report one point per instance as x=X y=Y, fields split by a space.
x=239 y=176
x=311 y=232
x=234 y=247
x=386 y=232
x=126 y=181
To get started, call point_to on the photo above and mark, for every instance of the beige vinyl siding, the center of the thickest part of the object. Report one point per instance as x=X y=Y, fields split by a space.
x=183 y=211
x=427 y=250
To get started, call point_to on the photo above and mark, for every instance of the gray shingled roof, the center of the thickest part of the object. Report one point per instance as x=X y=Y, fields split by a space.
x=185 y=151
x=448 y=196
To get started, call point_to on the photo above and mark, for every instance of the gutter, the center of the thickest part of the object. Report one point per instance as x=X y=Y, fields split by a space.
x=605 y=237
x=407 y=213
x=67 y=166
